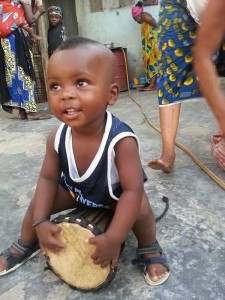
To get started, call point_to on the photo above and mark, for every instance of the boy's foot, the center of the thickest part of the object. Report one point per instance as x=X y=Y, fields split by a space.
x=156 y=273
x=154 y=262
x=13 y=257
x=159 y=164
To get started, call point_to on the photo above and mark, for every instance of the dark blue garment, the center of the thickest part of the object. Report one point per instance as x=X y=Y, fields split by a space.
x=94 y=188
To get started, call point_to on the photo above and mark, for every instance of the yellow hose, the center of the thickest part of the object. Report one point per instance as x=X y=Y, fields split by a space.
x=218 y=180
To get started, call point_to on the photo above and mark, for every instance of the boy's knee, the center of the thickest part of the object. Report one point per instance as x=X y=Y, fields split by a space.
x=144 y=213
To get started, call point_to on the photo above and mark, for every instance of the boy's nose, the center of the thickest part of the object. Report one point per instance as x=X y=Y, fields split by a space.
x=68 y=93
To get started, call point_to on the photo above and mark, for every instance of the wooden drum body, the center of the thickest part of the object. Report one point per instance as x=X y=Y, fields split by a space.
x=74 y=265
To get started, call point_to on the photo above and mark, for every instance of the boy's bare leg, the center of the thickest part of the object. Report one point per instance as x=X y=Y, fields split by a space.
x=169 y=120
x=145 y=232
x=28 y=234
x=153 y=84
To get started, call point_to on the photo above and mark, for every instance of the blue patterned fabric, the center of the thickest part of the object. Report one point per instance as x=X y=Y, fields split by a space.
x=176 y=34
x=17 y=78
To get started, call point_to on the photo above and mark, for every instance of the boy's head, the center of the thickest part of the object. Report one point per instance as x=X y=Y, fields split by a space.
x=82 y=72
x=54 y=15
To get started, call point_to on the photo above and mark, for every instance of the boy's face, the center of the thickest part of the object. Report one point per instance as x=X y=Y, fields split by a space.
x=54 y=19
x=80 y=85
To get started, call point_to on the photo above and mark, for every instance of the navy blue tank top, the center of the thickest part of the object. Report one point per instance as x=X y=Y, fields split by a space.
x=100 y=184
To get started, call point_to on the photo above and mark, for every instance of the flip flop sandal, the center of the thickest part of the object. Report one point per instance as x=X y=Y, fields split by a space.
x=144 y=262
x=14 y=261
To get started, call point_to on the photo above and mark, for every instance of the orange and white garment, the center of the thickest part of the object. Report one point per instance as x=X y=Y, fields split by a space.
x=196 y=8
x=12 y=16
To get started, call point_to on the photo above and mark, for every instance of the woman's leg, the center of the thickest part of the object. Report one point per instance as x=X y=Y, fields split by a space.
x=169 y=120
x=28 y=234
x=145 y=232
x=152 y=86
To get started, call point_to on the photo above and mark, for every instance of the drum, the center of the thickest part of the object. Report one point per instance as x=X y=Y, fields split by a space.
x=74 y=265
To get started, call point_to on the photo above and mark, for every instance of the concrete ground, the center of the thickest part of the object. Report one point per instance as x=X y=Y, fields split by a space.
x=191 y=233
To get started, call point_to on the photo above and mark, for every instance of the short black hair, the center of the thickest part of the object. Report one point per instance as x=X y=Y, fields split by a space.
x=75 y=41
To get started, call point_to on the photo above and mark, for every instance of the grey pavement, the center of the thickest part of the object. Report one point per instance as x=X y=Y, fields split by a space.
x=191 y=233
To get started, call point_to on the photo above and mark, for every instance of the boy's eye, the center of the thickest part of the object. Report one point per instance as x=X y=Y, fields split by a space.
x=82 y=83
x=54 y=86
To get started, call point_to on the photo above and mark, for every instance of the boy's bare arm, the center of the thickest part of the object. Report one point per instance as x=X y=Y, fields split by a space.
x=209 y=36
x=131 y=179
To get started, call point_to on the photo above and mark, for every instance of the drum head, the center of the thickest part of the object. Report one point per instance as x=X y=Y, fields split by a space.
x=74 y=264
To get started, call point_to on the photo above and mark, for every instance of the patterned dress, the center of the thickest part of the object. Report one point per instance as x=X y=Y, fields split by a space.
x=177 y=33
x=150 y=50
x=17 y=78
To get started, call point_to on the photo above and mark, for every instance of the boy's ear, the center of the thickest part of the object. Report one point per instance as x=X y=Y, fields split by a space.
x=114 y=92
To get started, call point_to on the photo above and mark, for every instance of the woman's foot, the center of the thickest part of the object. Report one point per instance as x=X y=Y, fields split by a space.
x=32 y=115
x=159 y=164
x=22 y=114
x=149 y=88
x=38 y=116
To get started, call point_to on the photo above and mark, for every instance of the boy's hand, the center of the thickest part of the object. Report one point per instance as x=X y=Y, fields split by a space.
x=107 y=251
x=48 y=234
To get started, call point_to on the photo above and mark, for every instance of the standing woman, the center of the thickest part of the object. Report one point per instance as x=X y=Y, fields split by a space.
x=177 y=25
x=17 y=78
x=149 y=45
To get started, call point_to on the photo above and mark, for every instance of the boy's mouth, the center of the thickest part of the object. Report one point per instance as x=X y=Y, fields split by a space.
x=71 y=111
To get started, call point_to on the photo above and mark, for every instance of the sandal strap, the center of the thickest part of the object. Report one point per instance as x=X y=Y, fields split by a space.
x=147 y=250
x=144 y=262
x=13 y=259
x=19 y=247
x=151 y=260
